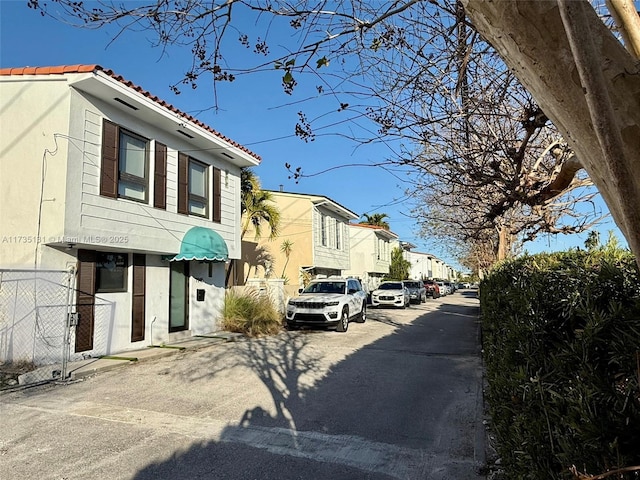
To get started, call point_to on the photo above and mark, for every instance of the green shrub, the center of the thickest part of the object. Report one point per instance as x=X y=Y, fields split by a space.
x=250 y=313
x=561 y=340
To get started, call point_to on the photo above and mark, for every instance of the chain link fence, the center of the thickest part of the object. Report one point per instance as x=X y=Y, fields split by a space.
x=35 y=332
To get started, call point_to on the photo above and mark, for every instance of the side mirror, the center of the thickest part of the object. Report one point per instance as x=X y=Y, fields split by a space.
x=300 y=290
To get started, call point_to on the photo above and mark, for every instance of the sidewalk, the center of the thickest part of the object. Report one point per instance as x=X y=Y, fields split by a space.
x=83 y=368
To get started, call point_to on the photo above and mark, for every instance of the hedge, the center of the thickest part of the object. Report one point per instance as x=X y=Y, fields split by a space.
x=561 y=343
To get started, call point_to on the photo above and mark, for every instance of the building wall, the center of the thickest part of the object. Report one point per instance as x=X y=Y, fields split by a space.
x=300 y=224
x=205 y=316
x=330 y=256
x=32 y=145
x=362 y=251
x=295 y=227
x=421 y=265
x=370 y=255
x=112 y=312
x=64 y=142
x=133 y=225
x=50 y=204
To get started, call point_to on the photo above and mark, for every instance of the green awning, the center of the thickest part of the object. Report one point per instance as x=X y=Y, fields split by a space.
x=201 y=243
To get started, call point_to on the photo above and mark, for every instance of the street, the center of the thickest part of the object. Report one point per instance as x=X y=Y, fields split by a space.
x=398 y=397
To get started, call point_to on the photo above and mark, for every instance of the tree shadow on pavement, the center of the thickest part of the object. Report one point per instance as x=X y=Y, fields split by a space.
x=406 y=406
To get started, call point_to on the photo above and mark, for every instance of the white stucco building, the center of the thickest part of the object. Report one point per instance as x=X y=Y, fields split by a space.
x=139 y=199
x=370 y=253
x=426 y=265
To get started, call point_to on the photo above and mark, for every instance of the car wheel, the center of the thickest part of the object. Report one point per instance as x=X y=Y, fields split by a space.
x=343 y=324
x=363 y=313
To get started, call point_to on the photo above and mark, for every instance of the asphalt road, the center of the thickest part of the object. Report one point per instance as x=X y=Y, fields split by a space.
x=398 y=397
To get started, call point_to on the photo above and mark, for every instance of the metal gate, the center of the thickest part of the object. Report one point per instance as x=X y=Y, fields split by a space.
x=35 y=325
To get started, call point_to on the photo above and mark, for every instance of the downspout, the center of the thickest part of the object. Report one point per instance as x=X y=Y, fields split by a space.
x=151 y=330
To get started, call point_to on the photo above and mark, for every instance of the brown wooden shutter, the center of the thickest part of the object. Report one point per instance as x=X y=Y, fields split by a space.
x=109 y=164
x=138 y=299
x=160 y=177
x=217 y=195
x=85 y=299
x=183 y=184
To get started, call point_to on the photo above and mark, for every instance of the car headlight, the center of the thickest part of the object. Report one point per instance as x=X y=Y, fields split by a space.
x=333 y=304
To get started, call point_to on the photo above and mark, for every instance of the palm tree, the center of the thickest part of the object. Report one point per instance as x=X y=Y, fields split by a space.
x=249 y=182
x=376 y=219
x=286 y=247
x=257 y=206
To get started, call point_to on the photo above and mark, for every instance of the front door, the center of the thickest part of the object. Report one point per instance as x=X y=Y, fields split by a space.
x=178 y=296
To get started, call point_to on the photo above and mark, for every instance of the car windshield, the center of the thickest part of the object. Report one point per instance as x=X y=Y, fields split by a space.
x=325 y=287
x=390 y=286
x=412 y=284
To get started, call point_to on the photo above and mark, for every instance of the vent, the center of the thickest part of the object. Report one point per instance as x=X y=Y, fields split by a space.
x=119 y=100
x=184 y=133
x=227 y=155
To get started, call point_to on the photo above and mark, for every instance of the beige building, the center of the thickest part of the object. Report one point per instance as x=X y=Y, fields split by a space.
x=140 y=200
x=316 y=227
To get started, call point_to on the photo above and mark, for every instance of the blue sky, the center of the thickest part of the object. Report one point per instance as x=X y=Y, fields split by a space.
x=254 y=111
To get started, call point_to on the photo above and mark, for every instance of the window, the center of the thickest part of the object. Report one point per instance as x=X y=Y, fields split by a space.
x=111 y=272
x=198 y=191
x=353 y=286
x=194 y=192
x=132 y=167
x=338 y=234
x=125 y=164
x=323 y=229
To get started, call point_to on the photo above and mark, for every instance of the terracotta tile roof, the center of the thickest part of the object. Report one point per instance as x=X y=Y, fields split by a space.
x=62 y=69
x=368 y=225
x=372 y=227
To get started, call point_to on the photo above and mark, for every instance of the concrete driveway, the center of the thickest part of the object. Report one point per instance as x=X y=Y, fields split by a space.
x=398 y=397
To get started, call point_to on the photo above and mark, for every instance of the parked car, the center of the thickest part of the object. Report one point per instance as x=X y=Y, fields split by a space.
x=451 y=286
x=444 y=289
x=329 y=302
x=417 y=292
x=433 y=290
x=391 y=293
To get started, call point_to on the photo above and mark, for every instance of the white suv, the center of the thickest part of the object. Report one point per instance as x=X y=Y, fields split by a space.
x=328 y=302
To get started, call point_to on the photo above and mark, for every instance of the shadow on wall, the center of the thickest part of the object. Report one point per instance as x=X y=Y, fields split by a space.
x=254 y=262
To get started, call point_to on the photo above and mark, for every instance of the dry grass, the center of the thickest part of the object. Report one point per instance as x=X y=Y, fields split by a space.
x=250 y=313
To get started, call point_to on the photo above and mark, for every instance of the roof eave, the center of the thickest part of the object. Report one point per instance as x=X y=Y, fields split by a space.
x=107 y=88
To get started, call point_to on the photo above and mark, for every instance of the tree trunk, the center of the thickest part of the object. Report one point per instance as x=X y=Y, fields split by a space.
x=586 y=83
x=504 y=242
